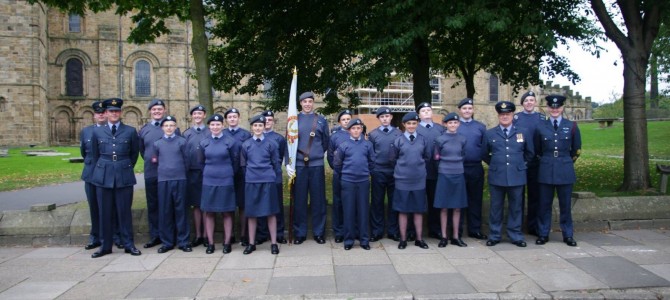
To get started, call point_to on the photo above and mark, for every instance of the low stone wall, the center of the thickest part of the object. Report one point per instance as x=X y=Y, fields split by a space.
x=69 y=225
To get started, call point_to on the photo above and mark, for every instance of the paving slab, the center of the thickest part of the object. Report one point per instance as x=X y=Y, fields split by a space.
x=111 y=285
x=662 y=270
x=391 y=247
x=565 y=280
x=52 y=252
x=617 y=272
x=586 y=295
x=470 y=255
x=445 y=283
x=628 y=295
x=358 y=258
x=168 y=288
x=641 y=235
x=302 y=285
x=11 y=253
x=493 y=277
x=249 y=282
x=185 y=267
x=583 y=249
x=10 y=279
x=237 y=260
x=605 y=239
x=641 y=254
x=304 y=261
x=37 y=290
x=421 y=263
x=66 y=270
x=476 y=296
x=299 y=271
x=309 y=247
x=368 y=279
x=535 y=259
x=368 y=296
x=129 y=263
x=524 y=296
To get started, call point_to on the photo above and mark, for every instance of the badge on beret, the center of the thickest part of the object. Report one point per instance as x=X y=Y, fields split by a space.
x=233 y=110
x=262 y=119
x=469 y=101
x=530 y=93
x=216 y=118
x=555 y=100
x=100 y=104
x=159 y=102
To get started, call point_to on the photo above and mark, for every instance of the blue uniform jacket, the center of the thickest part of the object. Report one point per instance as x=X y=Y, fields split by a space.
x=319 y=146
x=149 y=133
x=85 y=149
x=558 y=150
x=507 y=157
x=430 y=134
x=354 y=160
x=193 y=139
x=114 y=156
x=381 y=142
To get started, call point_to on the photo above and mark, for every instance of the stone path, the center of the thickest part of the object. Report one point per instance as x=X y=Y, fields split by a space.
x=632 y=264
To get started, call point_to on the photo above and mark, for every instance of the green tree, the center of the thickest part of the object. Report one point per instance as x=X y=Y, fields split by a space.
x=641 y=26
x=149 y=17
x=659 y=62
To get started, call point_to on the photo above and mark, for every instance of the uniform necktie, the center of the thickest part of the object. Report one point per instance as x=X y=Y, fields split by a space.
x=428 y=126
x=156 y=123
x=386 y=130
x=411 y=137
x=198 y=129
x=505 y=132
x=233 y=130
x=555 y=124
x=216 y=137
x=114 y=129
x=258 y=140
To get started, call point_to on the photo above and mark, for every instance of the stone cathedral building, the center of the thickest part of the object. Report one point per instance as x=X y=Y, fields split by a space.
x=53 y=65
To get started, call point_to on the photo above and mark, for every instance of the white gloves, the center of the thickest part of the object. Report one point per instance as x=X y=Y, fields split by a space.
x=290 y=171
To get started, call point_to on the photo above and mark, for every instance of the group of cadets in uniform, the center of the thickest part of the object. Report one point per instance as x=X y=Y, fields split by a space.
x=378 y=181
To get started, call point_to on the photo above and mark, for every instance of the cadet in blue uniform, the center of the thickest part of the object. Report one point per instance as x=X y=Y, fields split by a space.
x=313 y=139
x=507 y=150
x=410 y=152
x=354 y=160
x=338 y=135
x=529 y=119
x=149 y=133
x=115 y=149
x=559 y=146
x=383 y=218
x=194 y=135
x=85 y=135
x=259 y=158
x=430 y=131
x=219 y=155
x=170 y=154
x=450 y=192
x=262 y=233
x=473 y=131
x=234 y=131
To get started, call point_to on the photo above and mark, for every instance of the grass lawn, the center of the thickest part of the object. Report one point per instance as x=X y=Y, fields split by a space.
x=599 y=169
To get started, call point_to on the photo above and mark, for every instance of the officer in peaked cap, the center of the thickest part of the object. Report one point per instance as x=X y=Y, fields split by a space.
x=115 y=149
x=506 y=149
x=559 y=145
x=529 y=119
x=338 y=135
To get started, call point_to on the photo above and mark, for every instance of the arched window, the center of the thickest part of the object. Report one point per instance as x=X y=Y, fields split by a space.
x=74 y=21
x=493 y=88
x=74 y=77
x=142 y=78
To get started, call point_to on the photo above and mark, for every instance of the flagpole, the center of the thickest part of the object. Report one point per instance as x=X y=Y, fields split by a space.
x=292 y=142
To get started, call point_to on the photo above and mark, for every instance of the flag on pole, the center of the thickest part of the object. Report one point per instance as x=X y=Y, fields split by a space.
x=292 y=122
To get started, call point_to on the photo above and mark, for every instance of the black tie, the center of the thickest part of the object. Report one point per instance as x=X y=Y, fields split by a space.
x=156 y=123
x=258 y=140
x=114 y=129
x=505 y=132
x=386 y=130
x=216 y=137
x=428 y=126
x=555 y=124
x=411 y=137
x=198 y=129
x=232 y=131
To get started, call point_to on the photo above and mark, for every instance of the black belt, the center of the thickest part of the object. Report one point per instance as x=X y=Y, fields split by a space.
x=556 y=154
x=115 y=157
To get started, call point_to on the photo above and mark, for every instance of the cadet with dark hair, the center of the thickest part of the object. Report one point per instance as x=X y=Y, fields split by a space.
x=194 y=135
x=430 y=131
x=338 y=135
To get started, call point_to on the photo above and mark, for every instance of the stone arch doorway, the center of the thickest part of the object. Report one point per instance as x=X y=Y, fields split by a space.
x=62 y=126
x=132 y=117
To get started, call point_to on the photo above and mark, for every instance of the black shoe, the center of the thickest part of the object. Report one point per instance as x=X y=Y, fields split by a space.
x=274 y=249
x=299 y=240
x=244 y=241
x=260 y=241
x=533 y=232
x=197 y=242
x=133 y=251
x=164 y=249
x=570 y=241
x=411 y=236
x=394 y=237
x=541 y=240
x=205 y=243
x=119 y=245
x=402 y=245
x=365 y=247
x=347 y=247
x=421 y=244
x=210 y=249
x=281 y=240
x=186 y=248
x=519 y=243
x=101 y=253
x=250 y=248
x=375 y=238
x=492 y=243
x=319 y=239
x=458 y=242
x=478 y=235
x=435 y=235
x=153 y=242
x=339 y=239
x=227 y=248
x=233 y=240
x=443 y=243
x=92 y=245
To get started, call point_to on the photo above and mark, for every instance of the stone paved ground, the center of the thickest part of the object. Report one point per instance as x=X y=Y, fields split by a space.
x=632 y=264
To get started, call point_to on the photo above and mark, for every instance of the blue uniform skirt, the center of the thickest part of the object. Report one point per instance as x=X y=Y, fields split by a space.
x=193 y=188
x=409 y=201
x=218 y=198
x=261 y=199
x=450 y=191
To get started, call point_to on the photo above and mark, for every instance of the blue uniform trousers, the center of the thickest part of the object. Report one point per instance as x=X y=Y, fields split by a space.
x=312 y=181
x=474 y=185
x=116 y=201
x=564 y=192
x=151 y=191
x=262 y=232
x=383 y=218
x=337 y=210
x=95 y=235
x=172 y=213
x=356 y=208
x=434 y=226
x=532 y=197
x=514 y=213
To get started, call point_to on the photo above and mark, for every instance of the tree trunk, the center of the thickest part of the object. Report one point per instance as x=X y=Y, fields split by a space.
x=419 y=62
x=199 y=45
x=653 y=91
x=470 y=84
x=636 y=149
